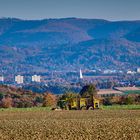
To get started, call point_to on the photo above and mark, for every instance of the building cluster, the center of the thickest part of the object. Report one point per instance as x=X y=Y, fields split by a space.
x=73 y=77
x=19 y=79
x=111 y=71
x=133 y=72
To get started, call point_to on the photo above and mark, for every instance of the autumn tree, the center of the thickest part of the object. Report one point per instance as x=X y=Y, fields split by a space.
x=49 y=100
x=7 y=101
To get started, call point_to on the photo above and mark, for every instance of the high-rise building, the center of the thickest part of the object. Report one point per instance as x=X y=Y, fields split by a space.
x=1 y=78
x=36 y=78
x=19 y=79
x=138 y=70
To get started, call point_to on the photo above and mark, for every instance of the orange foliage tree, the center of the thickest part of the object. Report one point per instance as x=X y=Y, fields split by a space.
x=49 y=100
x=7 y=102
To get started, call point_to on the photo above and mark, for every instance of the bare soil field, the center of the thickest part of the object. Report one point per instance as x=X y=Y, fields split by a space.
x=70 y=125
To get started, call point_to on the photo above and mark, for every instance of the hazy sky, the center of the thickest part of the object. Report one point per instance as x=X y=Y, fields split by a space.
x=102 y=9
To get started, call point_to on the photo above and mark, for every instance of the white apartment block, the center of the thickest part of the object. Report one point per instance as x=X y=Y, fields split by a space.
x=1 y=78
x=36 y=78
x=138 y=70
x=19 y=79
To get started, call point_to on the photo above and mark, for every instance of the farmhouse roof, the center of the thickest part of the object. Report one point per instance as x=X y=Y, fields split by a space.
x=108 y=91
x=127 y=88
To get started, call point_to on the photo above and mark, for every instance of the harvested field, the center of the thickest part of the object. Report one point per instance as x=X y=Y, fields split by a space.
x=70 y=125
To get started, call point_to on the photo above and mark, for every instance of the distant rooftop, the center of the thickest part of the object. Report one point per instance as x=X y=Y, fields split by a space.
x=127 y=88
x=108 y=91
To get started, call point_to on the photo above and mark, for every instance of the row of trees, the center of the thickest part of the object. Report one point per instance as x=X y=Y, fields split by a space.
x=21 y=99
x=24 y=101
x=121 y=100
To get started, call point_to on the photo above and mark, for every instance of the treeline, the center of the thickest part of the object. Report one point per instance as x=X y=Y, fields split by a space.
x=121 y=100
x=19 y=98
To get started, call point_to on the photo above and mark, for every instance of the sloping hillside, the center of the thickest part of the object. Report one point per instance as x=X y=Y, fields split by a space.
x=68 y=44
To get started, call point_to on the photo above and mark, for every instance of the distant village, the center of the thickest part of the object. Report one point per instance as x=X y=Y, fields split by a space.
x=108 y=82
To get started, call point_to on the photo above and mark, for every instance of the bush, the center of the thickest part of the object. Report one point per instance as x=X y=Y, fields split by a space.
x=1 y=96
x=129 y=100
x=107 y=101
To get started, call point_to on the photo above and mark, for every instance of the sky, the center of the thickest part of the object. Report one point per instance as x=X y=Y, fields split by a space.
x=94 y=9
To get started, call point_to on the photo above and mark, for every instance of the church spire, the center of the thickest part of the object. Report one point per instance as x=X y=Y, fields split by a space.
x=81 y=75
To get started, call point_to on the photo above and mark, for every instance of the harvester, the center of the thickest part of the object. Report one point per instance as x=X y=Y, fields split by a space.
x=79 y=104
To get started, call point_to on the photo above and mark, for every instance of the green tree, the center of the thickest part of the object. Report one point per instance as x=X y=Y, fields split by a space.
x=1 y=96
x=89 y=91
x=107 y=101
x=129 y=100
x=39 y=99
x=68 y=97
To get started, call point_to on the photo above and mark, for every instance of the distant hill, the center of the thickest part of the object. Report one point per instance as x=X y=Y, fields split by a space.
x=68 y=44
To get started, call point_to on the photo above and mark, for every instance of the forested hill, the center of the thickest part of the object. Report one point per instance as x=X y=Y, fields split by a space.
x=68 y=44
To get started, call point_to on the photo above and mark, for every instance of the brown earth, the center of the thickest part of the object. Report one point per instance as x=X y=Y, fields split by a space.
x=70 y=125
